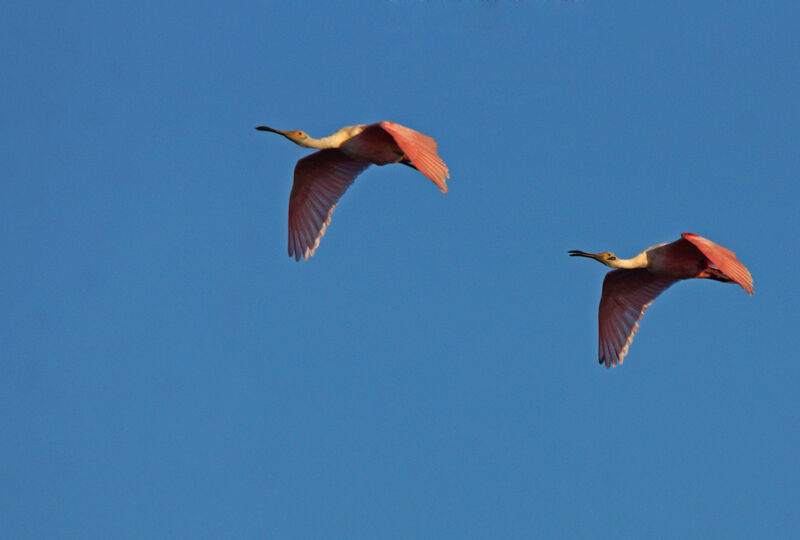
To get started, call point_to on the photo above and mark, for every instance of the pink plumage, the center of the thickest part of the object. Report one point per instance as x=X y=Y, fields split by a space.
x=321 y=178
x=724 y=259
x=636 y=282
x=626 y=296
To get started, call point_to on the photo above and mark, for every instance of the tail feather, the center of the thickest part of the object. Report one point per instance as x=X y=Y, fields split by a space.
x=717 y=275
x=407 y=162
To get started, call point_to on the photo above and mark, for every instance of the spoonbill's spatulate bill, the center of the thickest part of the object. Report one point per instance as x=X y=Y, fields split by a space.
x=321 y=178
x=628 y=291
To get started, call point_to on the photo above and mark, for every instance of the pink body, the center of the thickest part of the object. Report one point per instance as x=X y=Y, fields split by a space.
x=321 y=178
x=678 y=260
x=632 y=287
x=375 y=145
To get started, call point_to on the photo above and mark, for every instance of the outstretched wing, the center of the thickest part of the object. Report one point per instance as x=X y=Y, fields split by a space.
x=724 y=259
x=421 y=150
x=319 y=180
x=626 y=296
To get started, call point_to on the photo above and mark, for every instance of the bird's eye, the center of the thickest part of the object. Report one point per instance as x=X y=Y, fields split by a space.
x=612 y=258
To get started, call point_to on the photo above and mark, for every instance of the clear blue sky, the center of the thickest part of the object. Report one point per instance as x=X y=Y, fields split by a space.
x=166 y=369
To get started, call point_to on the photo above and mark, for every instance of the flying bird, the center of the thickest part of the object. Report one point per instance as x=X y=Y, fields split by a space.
x=628 y=291
x=321 y=178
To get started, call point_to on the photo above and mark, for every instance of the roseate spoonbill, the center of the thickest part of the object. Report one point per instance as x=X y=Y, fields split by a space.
x=628 y=292
x=322 y=177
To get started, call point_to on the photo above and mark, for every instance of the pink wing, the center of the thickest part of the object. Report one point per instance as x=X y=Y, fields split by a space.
x=319 y=180
x=421 y=150
x=724 y=259
x=626 y=295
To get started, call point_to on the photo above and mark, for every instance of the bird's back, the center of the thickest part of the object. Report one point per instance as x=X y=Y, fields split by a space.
x=374 y=144
x=677 y=260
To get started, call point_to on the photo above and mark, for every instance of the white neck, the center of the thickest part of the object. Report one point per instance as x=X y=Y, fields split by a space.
x=640 y=261
x=333 y=141
x=320 y=144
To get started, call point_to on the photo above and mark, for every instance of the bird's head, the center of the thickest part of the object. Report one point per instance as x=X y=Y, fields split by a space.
x=606 y=258
x=296 y=136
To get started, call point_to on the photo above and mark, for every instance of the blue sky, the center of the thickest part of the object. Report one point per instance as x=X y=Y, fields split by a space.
x=166 y=369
